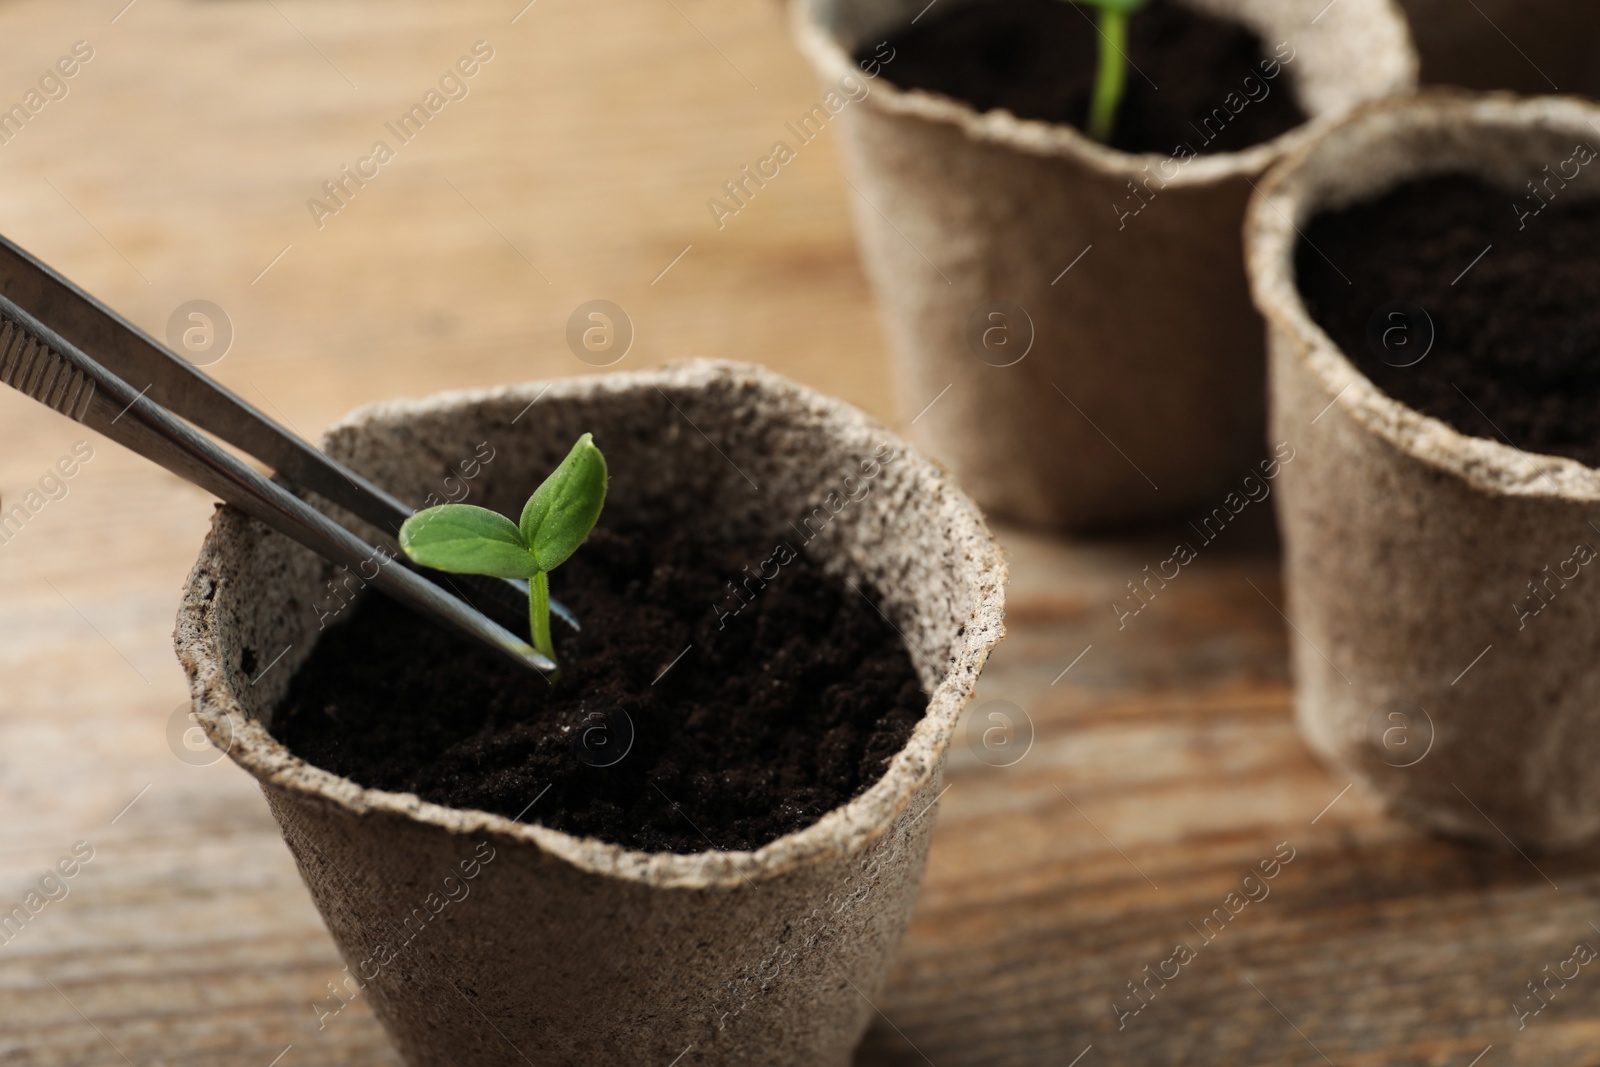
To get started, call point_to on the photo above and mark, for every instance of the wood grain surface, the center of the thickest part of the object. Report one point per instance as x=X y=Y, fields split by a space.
x=1164 y=765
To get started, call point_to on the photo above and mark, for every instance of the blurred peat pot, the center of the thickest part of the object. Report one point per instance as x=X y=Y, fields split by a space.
x=1071 y=322
x=1439 y=653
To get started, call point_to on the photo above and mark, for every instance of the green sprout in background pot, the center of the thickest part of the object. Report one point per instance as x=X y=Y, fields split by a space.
x=1112 y=76
x=466 y=539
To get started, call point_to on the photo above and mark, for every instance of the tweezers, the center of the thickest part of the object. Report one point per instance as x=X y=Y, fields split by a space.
x=137 y=392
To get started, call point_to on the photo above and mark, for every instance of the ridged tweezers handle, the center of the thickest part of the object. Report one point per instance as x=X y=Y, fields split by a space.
x=31 y=367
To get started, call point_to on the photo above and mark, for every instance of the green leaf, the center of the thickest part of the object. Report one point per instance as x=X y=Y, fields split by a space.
x=466 y=539
x=562 y=511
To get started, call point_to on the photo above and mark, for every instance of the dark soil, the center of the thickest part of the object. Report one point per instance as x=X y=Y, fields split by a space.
x=764 y=725
x=1516 y=348
x=1037 y=59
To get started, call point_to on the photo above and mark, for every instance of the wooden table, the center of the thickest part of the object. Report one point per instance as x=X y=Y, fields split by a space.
x=1164 y=762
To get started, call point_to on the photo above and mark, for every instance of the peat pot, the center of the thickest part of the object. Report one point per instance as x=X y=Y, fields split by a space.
x=1142 y=392
x=570 y=950
x=1408 y=545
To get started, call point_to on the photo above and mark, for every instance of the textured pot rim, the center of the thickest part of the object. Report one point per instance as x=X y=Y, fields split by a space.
x=1063 y=140
x=841 y=831
x=1288 y=197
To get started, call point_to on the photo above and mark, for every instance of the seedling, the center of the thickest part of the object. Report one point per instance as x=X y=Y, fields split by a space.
x=466 y=539
x=1111 y=78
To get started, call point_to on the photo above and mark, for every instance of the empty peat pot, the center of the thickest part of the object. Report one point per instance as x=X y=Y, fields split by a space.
x=1071 y=323
x=1444 y=616
x=565 y=949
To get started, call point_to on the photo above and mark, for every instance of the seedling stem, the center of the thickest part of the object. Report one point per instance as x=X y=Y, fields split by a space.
x=1111 y=76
